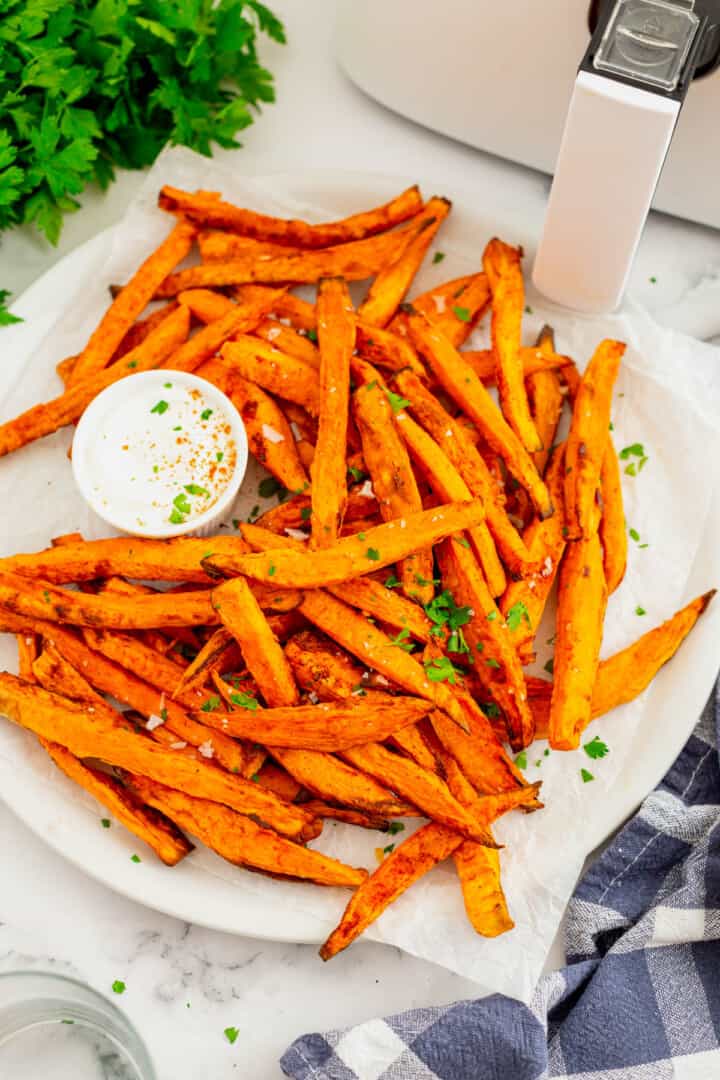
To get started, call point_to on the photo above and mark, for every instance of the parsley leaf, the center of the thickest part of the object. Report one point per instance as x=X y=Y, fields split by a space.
x=195 y=489
x=231 y=1034
x=586 y=776
x=440 y=669
x=6 y=317
x=516 y=614
x=640 y=610
x=160 y=407
x=397 y=402
x=401 y=641
x=596 y=748
x=357 y=474
x=438 y=257
x=521 y=760
x=118 y=987
x=462 y=313
x=269 y=486
x=392 y=582
x=245 y=701
x=373 y=553
x=395 y=827
x=634 y=450
x=213 y=702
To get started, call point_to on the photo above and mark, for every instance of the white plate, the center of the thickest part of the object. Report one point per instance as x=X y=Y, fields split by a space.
x=192 y=891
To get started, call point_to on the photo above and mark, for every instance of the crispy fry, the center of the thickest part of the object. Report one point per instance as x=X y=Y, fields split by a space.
x=274 y=370
x=242 y=842
x=51 y=670
x=582 y=598
x=588 y=437
x=211 y=657
x=299 y=313
x=130 y=302
x=322 y=727
x=462 y=384
x=385 y=604
x=336 y=337
x=50 y=416
x=546 y=400
x=206 y=304
x=217 y=246
x=386 y=349
x=393 y=481
x=349 y=558
x=489 y=639
x=455 y=307
x=242 y=616
x=420 y=786
x=613 y=535
x=412 y=741
x=502 y=266
x=533 y=359
x=390 y=286
x=269 y=436
x=375 y=649
x=295 y=513
x=178 y=559
x=348 y=817
x=447 y=484
x=289 y=341
x=280 y=781
x=353 y=261
x=321 y=668
x=478 y=868
x=42 y=600
x=143 y=661
x=546 y=543
x=69 y=724
x=329 y=778
x=213 y=212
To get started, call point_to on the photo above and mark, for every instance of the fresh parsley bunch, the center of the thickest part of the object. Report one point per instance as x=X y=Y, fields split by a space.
x=89 y=85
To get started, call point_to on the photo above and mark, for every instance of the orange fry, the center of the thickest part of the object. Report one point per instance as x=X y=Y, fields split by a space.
x=329 y=778
x=613 y=534
x=546 y=401
x=270 y=439
x=386 y=349
x=274 y=370
x=454 y=308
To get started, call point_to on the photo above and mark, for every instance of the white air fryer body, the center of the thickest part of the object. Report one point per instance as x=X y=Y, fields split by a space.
x=500 y=76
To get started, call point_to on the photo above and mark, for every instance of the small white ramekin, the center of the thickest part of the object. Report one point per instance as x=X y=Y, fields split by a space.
x=90 y=431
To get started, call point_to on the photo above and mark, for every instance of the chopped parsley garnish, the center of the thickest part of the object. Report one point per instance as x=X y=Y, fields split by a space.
x=268 y=487
x=549 y=666
x=160 y=407
x=357 y=474
x=388 y=849
x=131 y=364
x=306 y=513
x=135 y=858
x=195 y=489
x=361 y=536
x=255 y=778
x=491 y=710
x=46 y=596
x=586 y=776
x=462 y=313
x=630 y=469
x=440 y=669
x=640 y=610
x=516 y=614
x=105 y=822
x=178 y=427
x=359 y=690
x=167 y=385
x=255 y=511
x=206 y=414
x=219 y=456
x=213 y=702
x=231 y=1034
x=480 y=646
x=245 y=701
x=611 y=426
x=492 y=662
x=176 y=518
x=438 y=257
x=397 y=402
x=401 y=641
x=395 y=827
x=371 y=385
x=634 y=534
x=180 y=503
x=271 y=570
x=528 y=310
x=312 y=334
x=463 y=541
x=643 y=545
x=491 y=616
x=634 y=450
x=118 y=987
x=392 y=582
x=373 y=553
x=596 y=748
x=521 y=760
x=156 y=468
x=444 y=613
x=426 y=581
x=652 y=280
x=163 y=714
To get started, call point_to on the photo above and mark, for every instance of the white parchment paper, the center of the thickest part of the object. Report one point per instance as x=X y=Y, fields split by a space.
x=667 y=398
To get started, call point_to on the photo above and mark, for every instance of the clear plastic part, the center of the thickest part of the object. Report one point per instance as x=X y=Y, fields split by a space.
x=648 y=41
x=59 y=1029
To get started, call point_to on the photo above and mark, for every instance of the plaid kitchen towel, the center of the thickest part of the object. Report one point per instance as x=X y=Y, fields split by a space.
x=640 y=996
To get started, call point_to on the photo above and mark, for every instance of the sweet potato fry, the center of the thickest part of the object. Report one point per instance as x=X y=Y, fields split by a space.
x=386 y=349
x=376 y=649
x=354 y=555
x=588 y=437
x=393 y=481
x=546 y=543
x=321 y=668
x=212 y=657
x=157 y=831
x=241 y=614
x=348 y=817
x=478 y=868
x=502 y=266
x=277 y=779
x=329 y=778
x=423 y=788
x=533 y=360
x=206 y=304
x=50 y=416
x=613 y=534
x=242 y=842
x=455 y=307
x=295 y=513
x=289 y=341
x=269 y=436
x=217 y=246
x=51 y=670
x=427 y=847
x=178 y=559
x=143 y=661
x=299 y=313
x=582 y=598
x=546 y=400
x=274 y=370
x=354 y=261
x=42 y=600
x=207 y=211
x=462 y=384
x=489 y=639
x=131 y=301
x=323 y=727
x=386 y=605
x=447 y=484
x=391 y=284
x=69 y=724
x=336 y=337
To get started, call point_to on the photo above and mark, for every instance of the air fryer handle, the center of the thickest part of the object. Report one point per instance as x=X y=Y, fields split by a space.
x=613 y=148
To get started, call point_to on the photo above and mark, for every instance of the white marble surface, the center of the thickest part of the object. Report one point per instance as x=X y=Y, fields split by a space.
x=184 y=984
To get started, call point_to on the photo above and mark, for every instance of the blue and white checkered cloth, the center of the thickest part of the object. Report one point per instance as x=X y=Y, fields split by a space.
x=640 y=996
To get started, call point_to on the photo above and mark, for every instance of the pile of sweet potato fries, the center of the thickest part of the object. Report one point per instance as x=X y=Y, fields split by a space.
x=357 y=652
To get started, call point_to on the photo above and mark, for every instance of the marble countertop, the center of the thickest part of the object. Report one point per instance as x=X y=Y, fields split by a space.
x=186 y=984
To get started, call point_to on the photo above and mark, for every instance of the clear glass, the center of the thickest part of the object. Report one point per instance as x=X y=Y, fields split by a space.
x=56 y=1028
x=648 y=40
